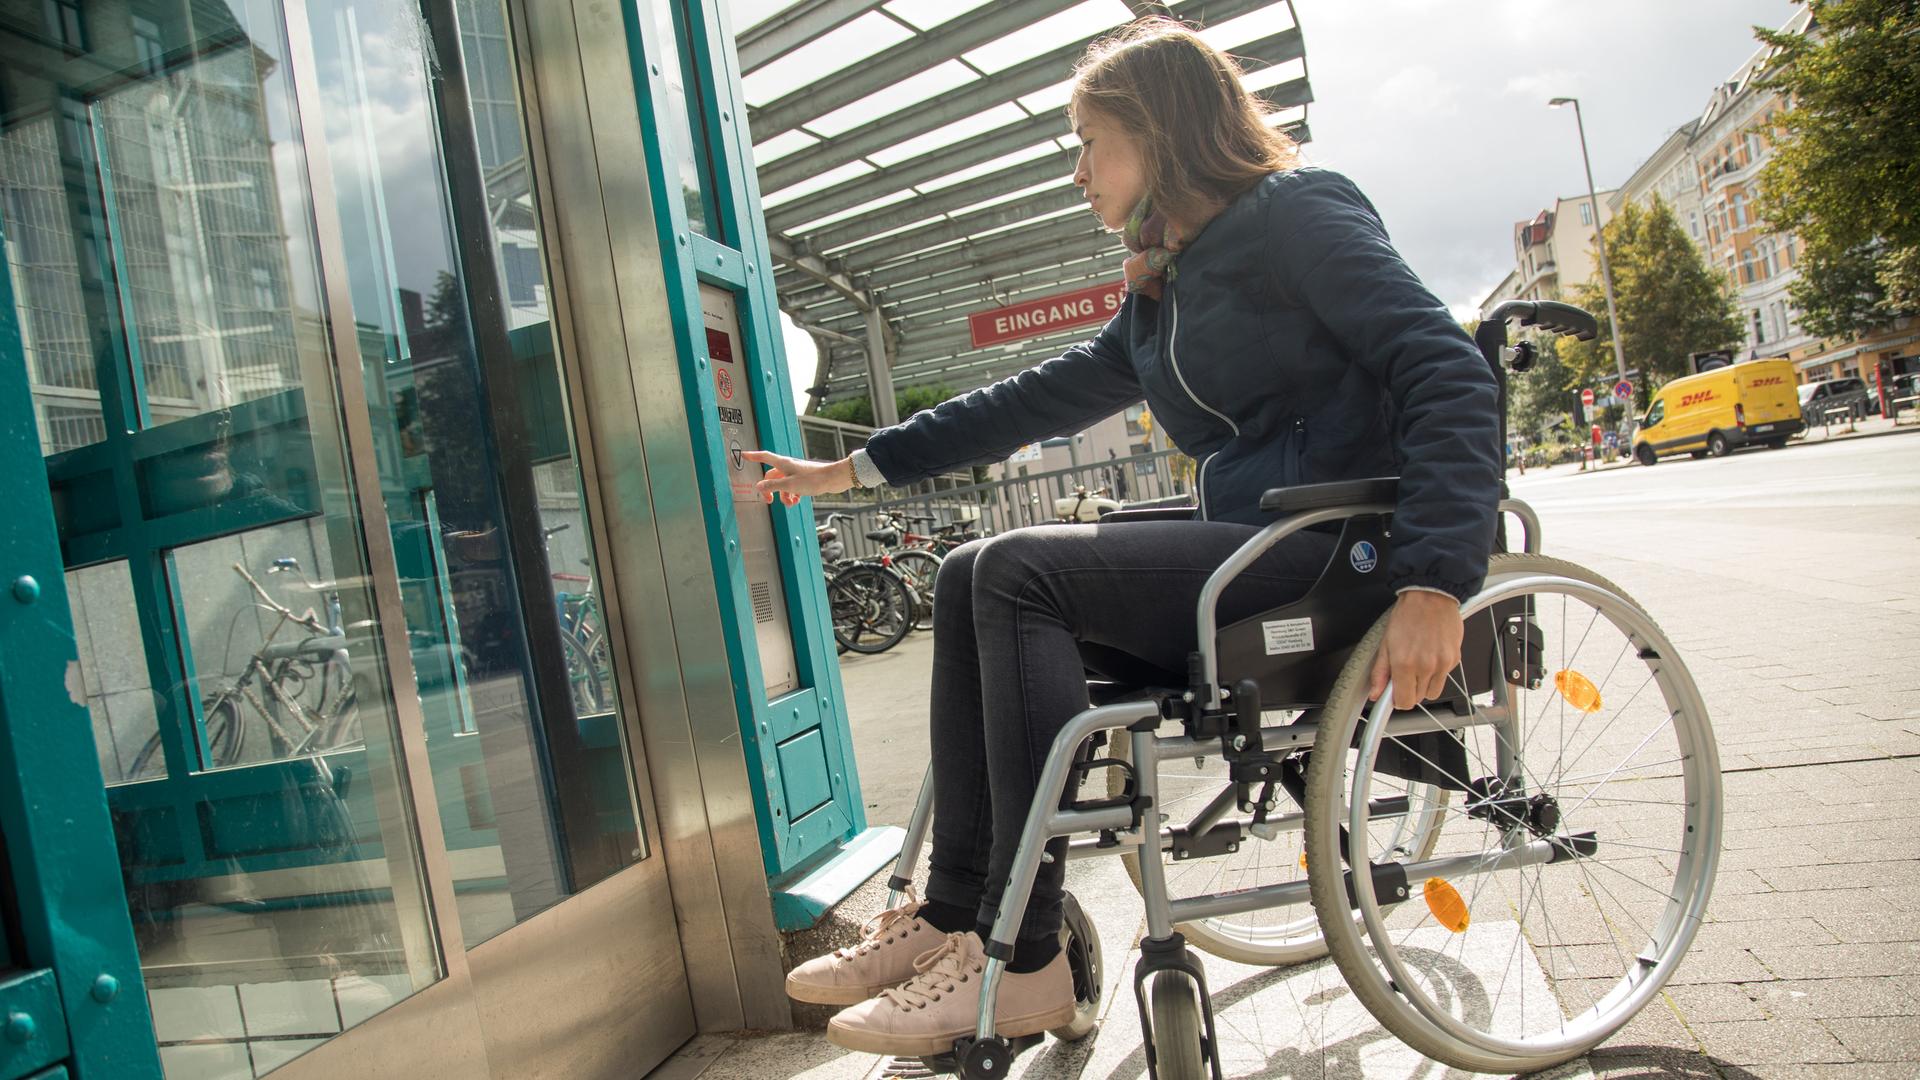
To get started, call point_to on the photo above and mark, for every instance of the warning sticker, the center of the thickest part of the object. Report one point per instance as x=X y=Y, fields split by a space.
x=1288 y=636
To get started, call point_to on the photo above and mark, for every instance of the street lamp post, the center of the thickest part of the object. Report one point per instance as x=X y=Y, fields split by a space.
x=1600 y=234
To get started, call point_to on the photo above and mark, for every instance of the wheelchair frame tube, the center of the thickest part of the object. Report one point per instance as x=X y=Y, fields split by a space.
x=1045 y=821
x=916 y=836
x=1534 y=853
x=1531 y=545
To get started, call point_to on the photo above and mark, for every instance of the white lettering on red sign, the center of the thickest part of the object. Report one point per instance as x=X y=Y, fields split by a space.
x=1038 y=317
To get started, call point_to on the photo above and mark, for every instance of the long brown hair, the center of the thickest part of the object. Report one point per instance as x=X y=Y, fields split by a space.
x=1203 y=138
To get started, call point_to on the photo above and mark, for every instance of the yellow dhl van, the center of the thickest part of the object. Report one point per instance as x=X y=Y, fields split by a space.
x=1717 y=412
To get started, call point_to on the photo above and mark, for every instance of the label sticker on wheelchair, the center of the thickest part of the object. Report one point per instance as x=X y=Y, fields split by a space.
x=1288 y=636
x=1364 y=557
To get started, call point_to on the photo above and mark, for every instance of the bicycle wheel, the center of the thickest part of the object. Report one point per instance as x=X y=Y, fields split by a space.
x=583 y=678
x=872 y=608
x=920 y=568
x=1580 y=861
x=1278 y=935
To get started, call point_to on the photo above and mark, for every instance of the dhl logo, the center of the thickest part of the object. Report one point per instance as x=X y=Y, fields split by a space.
x=1771 y=380
x=1695 y=399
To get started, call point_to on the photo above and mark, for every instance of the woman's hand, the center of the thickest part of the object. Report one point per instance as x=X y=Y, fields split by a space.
x=1421 y=649
x=795 y=478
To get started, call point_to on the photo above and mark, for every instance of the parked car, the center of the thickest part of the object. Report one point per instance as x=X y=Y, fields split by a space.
x=1816 y=399
x=1719 y=411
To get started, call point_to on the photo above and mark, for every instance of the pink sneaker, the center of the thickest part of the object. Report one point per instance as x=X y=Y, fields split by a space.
x=882 y=958
x=942 y=1003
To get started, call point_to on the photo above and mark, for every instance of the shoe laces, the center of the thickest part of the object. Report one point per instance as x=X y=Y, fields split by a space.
x=874 y=932
x=941 y=971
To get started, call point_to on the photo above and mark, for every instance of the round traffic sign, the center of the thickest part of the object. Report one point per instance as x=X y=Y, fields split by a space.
x=1623 y=389
x=1586 y=397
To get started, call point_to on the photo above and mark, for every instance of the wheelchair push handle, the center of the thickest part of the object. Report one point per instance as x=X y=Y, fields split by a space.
x=1549 y=315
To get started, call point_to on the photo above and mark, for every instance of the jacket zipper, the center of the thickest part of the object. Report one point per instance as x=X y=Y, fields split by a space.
x=1173 y=357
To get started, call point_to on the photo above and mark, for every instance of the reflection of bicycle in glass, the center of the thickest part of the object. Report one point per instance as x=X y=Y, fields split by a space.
x=273 y=691
x=583 y=638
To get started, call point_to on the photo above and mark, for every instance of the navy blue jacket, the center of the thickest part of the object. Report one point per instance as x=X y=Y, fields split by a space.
x=1294 y=346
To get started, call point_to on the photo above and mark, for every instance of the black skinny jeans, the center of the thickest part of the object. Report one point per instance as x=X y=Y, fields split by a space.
x=1018 y=619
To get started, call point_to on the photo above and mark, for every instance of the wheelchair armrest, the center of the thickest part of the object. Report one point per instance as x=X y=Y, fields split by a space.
x=1151 y=513
x=1294 y=500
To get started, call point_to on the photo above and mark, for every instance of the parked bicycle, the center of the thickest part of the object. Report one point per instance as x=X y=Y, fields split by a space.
x=872 y=604
x=583 y=638
x=916 y=556
x=272 y=691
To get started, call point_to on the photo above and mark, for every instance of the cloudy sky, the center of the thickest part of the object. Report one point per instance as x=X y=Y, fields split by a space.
x=1438 y=109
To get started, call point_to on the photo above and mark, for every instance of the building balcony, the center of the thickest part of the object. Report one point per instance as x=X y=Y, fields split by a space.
x=1731 y=173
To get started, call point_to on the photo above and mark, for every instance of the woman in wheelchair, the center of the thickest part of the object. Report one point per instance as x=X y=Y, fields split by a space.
x=1281 y=341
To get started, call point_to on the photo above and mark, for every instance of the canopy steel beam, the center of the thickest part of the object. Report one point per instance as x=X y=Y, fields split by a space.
x=932 y=165
x=1024 y=282
x=998 y=256
x=785 y=31
x=817 y=269
x=881 y=254
x=1056 y=167
x=1001 y=253
x=959 y=303
x=965 y=154
x=1011 y=84
x=875 y=74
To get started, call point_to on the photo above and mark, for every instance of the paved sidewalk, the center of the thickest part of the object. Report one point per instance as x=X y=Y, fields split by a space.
x=1871 y=427
x=1796 y=601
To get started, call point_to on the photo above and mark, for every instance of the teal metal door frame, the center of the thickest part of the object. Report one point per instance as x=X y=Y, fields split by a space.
x=75 y=994
x=816 y=852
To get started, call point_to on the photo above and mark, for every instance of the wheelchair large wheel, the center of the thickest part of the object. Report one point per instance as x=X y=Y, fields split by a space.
x=1270 y=937
x=1574 y=871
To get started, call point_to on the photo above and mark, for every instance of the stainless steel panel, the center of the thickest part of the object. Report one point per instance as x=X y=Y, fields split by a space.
x=592 y=987
x=590 y=164
x=733 y=391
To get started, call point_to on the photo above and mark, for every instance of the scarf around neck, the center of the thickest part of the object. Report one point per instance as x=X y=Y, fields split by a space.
x=1154 y=243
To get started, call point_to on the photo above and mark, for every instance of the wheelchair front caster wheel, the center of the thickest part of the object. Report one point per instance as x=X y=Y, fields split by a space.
x=1179 y=1051
x=988 y=1060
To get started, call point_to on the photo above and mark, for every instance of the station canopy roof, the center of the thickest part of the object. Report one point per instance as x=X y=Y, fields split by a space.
x=915 y=157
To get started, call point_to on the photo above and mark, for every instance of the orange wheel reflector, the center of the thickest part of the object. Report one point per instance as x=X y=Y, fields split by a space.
x=1578 y=690
x=1303 y=860
x=1448 y=909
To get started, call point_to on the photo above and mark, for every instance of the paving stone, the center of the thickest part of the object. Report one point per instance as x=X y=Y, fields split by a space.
x=1826 y=961
x=1840 y=876
x=1880 y=1038
x=1748 y=1042
x=1712 y=1002
x=1823 y=999
x=1858 y=1070
x=1715 y=965
x=1749 y=933
x=1886 y=926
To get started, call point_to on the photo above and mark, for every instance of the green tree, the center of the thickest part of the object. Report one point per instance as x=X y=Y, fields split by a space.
x=1845 y=176
x=911 y=400
x=1670 y=302
x=1539 y=397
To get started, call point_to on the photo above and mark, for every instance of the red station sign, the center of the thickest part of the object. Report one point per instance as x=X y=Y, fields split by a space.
x=1037 y=318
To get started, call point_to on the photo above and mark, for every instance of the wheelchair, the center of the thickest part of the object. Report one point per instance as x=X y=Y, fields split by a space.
x=1503 y=876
